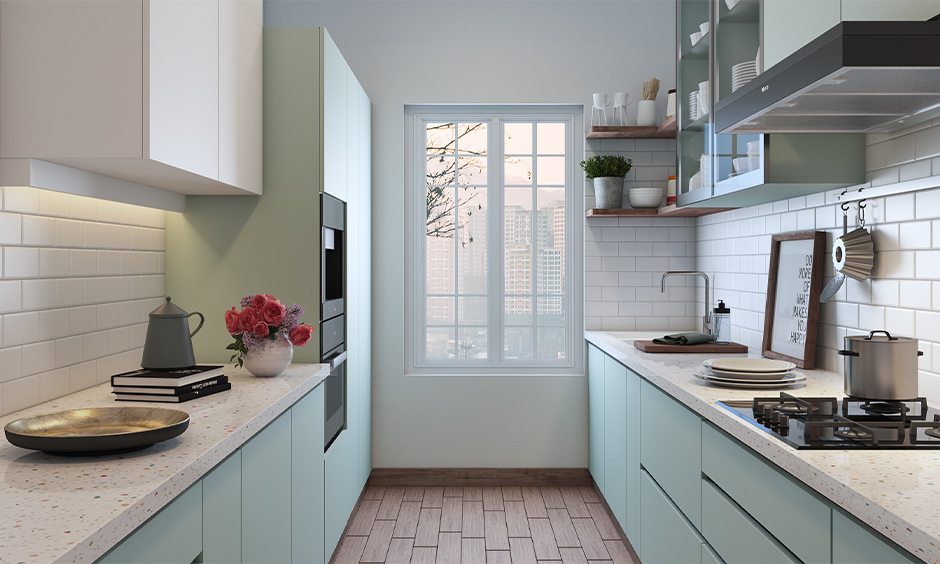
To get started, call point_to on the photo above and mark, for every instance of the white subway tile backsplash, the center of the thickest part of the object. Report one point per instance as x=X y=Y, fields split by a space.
x=120 y=236
x=38 y=357
x=82 y=320
x=53 y=323
x=83 y=208
x=928 y=264
x=928 y=202
x=96 y=345
x=20 y=393
x=20 y=262
x=82 y=262
x=914 y=294
x=70 y=350
x=11 y=295
x=927 y=325
x=69 y=291
x=69 y=233
x=96 y=235
x=11 y=363
x=20 y=328
x=10 y=229
x=896 y=264
x=96 y=290
x=54 y=384
x=915 y=235
x=109 y=263
x=899 y=208
x=38 y=294
x=53 y=262
x=20 y=199
x=54 y=204
x=81 y=376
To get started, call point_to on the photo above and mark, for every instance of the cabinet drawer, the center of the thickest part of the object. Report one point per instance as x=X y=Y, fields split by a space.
x=615 y=439
x=734 y=534
x=671 y=449
x=595 y=370
x=855 y=543
x=180 y=520
x=666 y=535
x=782 y=505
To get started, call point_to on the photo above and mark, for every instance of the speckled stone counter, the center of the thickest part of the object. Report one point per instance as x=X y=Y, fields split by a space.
x=896 y=492
x=75 y=509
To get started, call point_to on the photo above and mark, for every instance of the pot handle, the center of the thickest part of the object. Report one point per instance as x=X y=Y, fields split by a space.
x=848 y=353
x=872 y=334
x=202 y=320
x=920 y=353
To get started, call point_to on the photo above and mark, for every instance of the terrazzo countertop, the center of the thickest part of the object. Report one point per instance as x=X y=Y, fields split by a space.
x=75 y=509
x=896 y=492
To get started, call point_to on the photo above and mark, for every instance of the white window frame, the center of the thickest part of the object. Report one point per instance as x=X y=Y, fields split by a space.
x=416 y=118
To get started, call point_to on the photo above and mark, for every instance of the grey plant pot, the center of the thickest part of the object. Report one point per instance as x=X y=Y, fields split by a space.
x=608 y=192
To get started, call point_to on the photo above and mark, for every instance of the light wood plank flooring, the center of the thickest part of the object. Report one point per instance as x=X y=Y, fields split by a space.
x=480 y=525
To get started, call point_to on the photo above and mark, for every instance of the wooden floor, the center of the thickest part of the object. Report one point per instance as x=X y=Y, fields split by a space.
x=528 y=525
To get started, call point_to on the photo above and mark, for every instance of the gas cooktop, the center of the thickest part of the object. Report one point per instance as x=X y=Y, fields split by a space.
x=846 y=423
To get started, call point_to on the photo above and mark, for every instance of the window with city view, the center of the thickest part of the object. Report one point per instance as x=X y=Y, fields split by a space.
x=494 y=241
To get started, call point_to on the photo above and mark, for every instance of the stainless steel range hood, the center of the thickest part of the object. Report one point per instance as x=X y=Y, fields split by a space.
x=858 y=77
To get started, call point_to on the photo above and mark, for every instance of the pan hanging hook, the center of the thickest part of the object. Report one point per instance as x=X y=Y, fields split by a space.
x=845 y=208
x=861 y=212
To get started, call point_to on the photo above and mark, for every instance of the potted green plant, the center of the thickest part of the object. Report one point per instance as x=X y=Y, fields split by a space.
x=607 y=172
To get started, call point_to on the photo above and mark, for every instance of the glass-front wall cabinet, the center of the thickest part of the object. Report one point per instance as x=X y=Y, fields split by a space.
x=694 y=121
x=719 y=51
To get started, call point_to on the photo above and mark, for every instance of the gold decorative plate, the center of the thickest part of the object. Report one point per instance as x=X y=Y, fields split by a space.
x=97 y=430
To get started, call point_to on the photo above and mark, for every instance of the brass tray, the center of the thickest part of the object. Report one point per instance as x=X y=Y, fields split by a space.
x=97 y=430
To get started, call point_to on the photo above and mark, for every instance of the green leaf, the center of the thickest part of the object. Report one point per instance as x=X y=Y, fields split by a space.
x=600 y=166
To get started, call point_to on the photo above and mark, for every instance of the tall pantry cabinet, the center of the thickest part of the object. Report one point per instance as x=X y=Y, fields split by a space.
x=317 y=138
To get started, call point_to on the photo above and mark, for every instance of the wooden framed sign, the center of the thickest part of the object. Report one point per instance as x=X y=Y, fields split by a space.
x=793 y=287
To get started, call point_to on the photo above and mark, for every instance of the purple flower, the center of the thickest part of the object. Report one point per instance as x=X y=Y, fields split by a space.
x=246 y=301
x=251 y=340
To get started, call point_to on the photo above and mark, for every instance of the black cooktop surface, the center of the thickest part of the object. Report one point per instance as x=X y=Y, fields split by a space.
x=842 y=423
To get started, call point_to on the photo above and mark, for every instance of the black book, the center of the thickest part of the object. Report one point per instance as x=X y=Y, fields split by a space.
x=165 y=378
x=173 y=398
x=177 y=391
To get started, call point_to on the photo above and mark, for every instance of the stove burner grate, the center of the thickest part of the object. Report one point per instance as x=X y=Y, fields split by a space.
x=933 y=432
x=885 y=408
x=856 y=434
x=794 y=408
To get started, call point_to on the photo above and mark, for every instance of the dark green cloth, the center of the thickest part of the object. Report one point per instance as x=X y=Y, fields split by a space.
x=684 y=339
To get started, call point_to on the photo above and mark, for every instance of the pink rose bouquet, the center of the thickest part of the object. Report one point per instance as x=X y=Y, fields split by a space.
x=264 y=317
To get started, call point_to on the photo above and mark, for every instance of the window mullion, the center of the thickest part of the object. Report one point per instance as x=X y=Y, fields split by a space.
x=496 y=284
x=533 y=241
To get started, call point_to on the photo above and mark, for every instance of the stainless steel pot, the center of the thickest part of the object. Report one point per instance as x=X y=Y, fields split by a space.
x=881 y=367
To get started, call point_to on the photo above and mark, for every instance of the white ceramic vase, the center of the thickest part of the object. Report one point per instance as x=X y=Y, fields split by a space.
x=270 y=358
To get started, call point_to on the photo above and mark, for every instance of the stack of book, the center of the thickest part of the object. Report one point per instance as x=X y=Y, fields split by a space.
x=171 y=386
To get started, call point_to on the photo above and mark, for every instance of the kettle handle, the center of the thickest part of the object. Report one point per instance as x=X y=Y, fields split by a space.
x=202 y=320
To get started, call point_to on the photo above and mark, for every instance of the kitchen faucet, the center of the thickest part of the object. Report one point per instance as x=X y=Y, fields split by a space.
x=707 y=318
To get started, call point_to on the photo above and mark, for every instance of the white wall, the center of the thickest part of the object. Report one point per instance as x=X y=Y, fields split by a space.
x=476 y=52
x=903 y=295
x=79 y=277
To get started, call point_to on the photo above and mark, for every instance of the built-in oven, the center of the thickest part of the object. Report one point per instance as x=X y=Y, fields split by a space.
x=335 y=396
x=332 y=258
x=333 y=313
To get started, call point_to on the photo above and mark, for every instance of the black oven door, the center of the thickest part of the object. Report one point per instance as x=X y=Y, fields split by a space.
x=335 y=396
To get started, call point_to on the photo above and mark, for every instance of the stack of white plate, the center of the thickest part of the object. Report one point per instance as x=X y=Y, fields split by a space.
x=693 y=105
x=742 y=73
x=750 y=373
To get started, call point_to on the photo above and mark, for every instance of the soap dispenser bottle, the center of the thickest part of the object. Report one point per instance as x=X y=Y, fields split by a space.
x=722 y=323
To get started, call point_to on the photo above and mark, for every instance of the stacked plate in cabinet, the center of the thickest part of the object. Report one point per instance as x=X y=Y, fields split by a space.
x=757 y=373
x=742 y=73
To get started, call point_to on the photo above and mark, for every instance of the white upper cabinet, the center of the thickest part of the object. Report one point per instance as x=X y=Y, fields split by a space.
x=335 y=111
x=164 y=93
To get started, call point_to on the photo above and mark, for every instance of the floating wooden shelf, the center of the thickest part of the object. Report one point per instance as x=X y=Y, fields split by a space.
x=666 y=130
x=665 y=211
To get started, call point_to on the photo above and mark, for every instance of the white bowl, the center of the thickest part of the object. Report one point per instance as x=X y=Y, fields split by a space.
x=646 y=197
x=695 y=37
x=753 y=147
x=695 y=182
x=745 y=164
x=704 y=28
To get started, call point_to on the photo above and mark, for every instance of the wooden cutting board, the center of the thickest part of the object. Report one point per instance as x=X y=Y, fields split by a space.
x=710 y=348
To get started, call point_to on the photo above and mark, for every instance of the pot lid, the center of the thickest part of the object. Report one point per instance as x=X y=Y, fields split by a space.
x=880 y=336
x=169 y=310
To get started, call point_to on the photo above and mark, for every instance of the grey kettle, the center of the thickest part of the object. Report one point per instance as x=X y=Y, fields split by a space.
x=169 y=344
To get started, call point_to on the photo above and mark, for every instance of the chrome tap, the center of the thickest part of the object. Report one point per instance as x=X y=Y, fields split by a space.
x=707 y=318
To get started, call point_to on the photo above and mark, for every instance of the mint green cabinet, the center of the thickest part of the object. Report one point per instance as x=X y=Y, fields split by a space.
x=788 y=509
x=735 y=535
x=596 y=415
x=340 y=493
x=172 y=536
x=266 y=494
x=634 y=512
x=855 y=543
x=307 y=478
x=221 y=512
x=666 y=535
x=709 y=556
x=615 y=438
x=671 y=450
